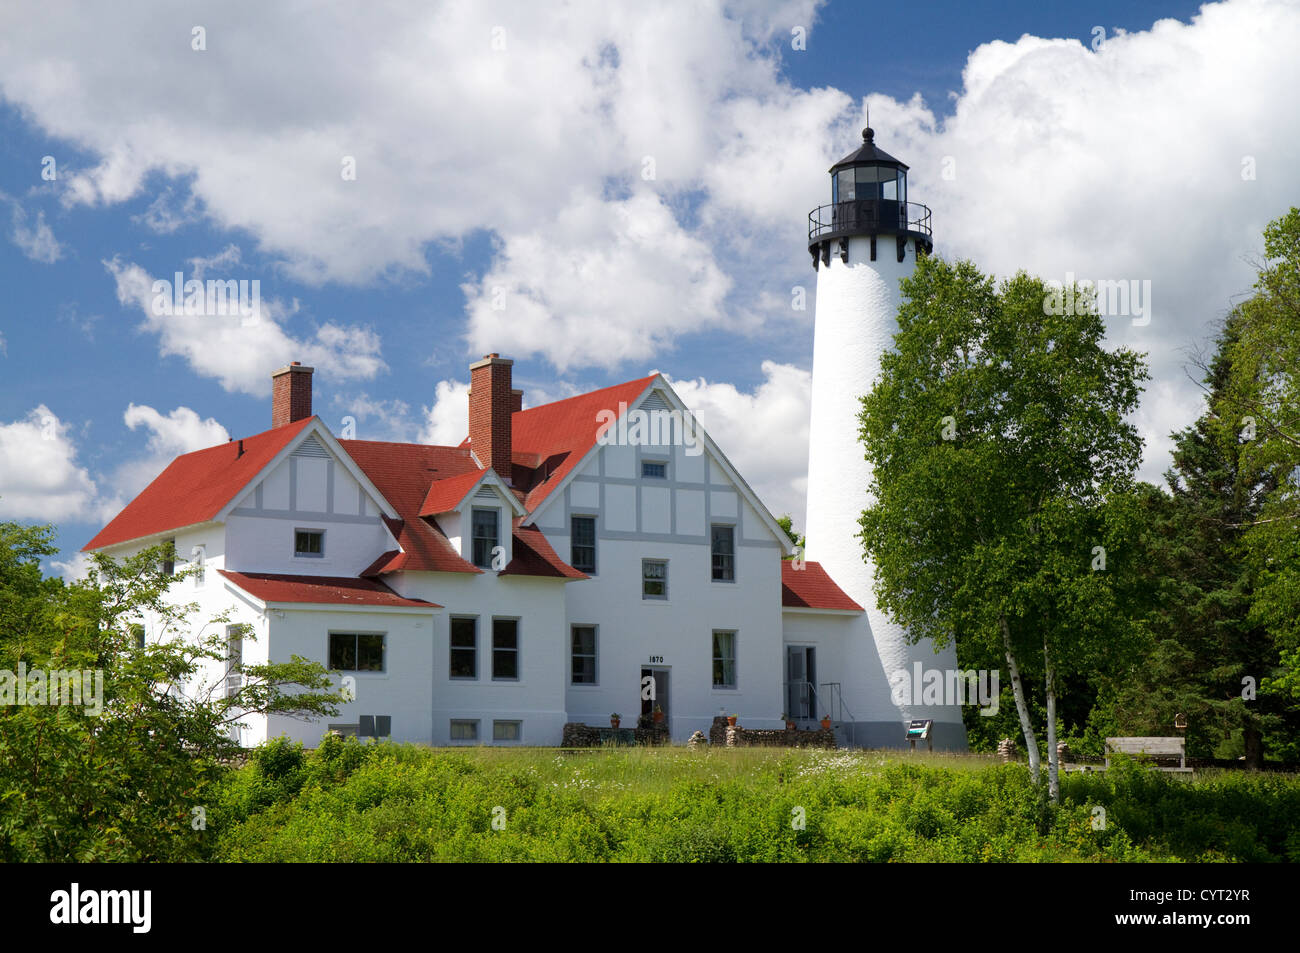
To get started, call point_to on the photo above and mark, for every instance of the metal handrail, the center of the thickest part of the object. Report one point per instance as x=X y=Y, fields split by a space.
x=866 y=214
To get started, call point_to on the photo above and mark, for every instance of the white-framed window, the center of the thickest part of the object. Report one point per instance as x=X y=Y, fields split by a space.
x=199 y=556
x=309 y=543
x=582 y=546
x=724 y=552
x=724 y=658
x=357 y=651
x=505 y=650
x=169 y=560
x=507 y=730
x=654 y=469
x=582 y=665
x=486 y=535
x=234 y=658
x=654 y=579
x=464 y=647
x=464 y=729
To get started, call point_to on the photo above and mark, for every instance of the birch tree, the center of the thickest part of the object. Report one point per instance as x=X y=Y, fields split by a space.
x=1002 y=470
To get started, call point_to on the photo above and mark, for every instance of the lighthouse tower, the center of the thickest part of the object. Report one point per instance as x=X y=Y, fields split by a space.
x=862 y=245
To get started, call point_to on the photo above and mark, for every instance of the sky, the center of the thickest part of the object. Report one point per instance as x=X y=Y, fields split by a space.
x=595 y=190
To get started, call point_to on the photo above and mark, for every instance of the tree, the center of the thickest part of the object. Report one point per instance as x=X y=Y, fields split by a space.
x=120 y=769
x=1205 y=641
x=1001 y=469
x=1260 y=407
x=786 y=522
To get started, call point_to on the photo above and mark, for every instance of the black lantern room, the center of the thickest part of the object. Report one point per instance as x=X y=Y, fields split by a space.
x=869 y=199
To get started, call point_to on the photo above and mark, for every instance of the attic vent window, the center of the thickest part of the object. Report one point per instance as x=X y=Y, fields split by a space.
x=311 y=447
x=655 y=402
x=486 y=493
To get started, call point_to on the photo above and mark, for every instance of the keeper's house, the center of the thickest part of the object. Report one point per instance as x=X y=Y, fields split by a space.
x=535 y=574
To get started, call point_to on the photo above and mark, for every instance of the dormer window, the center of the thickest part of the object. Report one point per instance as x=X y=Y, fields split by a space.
x=486 y=536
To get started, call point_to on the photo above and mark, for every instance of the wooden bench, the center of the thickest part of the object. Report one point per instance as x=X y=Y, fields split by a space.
x=1155 y=747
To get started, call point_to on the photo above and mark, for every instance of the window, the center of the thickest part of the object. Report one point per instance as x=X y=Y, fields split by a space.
x=505 y=648
x=485 y=537
x=724 y=659
x=464 y=730
x=464 y=648
x=137 y=635
x=355 y=652
x=169 y=559
x=724 y=553
x=234 y=659
x=200 y=557
x=582 y=551
x=844 y=186
x=654 y=579
x=584 y=655
x=507 y=730
x=654 y=469
x=309 y=542
x=345 y=731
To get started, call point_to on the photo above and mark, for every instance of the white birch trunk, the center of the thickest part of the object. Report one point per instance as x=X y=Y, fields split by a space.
x=1053 y=761
x=1022 y=709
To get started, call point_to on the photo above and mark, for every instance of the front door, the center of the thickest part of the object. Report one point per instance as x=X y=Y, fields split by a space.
x=800 y=676
x=654 y=692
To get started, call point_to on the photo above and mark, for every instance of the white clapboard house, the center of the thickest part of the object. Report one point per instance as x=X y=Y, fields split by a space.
x=541 y=570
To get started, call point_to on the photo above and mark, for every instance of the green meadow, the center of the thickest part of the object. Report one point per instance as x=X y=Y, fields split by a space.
x=348 y=801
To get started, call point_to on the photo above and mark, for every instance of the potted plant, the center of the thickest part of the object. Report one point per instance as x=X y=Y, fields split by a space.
x=826 y=722
x=731 y=721
x=789 y=722
x=614 y=719
x=658 y=714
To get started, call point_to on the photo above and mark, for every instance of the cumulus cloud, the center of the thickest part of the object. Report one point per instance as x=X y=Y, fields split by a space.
x=40 y=478
x=241 y=350
x=747 y=426
x=446 y=423
x=605 y=283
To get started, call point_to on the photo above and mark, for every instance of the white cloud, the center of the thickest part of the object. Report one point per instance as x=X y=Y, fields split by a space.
x=446 y=423
x=40 y=478
x=241 y=352
x=764 y=433
x=371 y=418
x=36 y=240
x=604 y=283
x=74 y=569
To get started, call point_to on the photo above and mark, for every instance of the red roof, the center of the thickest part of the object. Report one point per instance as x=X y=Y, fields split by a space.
x=332 y=590
x=812 y=588
x=547 y=442
x=402 y=472
x=445 y=494
x=533 y=556
x=196 y=486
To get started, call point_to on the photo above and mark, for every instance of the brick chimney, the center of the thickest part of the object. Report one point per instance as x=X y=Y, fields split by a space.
x=491 y=402
x=290 y=394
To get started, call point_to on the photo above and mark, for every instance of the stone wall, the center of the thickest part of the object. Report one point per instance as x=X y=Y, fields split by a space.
x=741 y=737
x=577 y=735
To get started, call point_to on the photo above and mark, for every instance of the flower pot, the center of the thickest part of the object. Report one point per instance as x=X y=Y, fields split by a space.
x=731 y=721
x=789 y=726
x=613 y=723
x=826 y=724
x=658 y=717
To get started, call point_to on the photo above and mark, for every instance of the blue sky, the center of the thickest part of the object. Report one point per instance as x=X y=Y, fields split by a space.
x=502 y=148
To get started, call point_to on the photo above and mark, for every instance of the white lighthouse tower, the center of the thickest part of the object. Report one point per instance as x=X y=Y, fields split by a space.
x=862 y=245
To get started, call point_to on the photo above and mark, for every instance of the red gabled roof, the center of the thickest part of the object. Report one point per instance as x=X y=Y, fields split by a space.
x=402 y=473
x=330 y=590
x=547 y=442
x=445 y=494
x=196 y=486
x=812 y=588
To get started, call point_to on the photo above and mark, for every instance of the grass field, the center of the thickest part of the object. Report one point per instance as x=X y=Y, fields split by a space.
x=351 y=802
